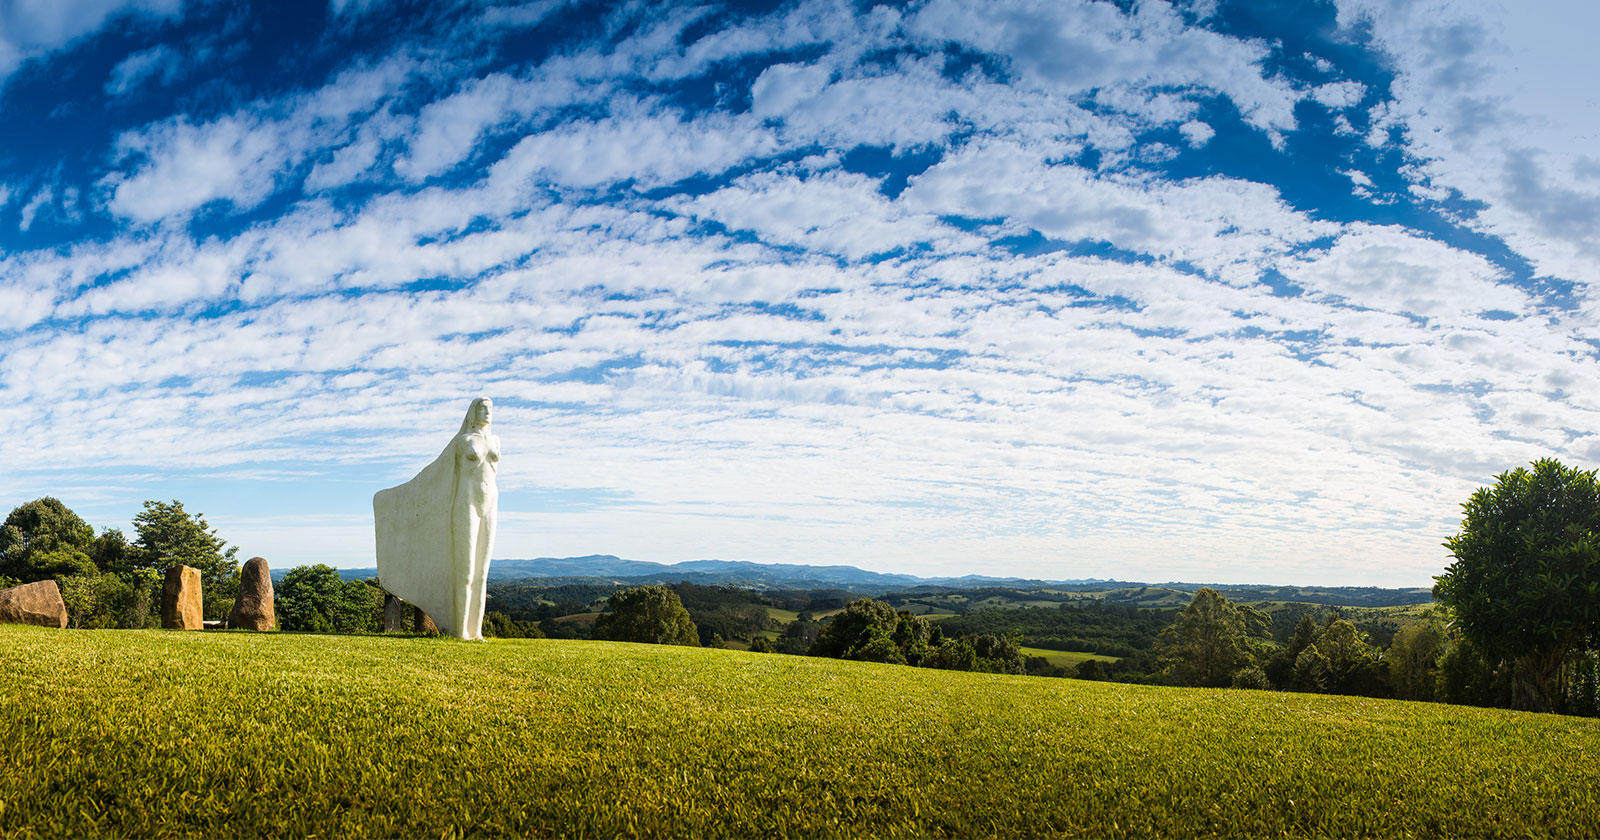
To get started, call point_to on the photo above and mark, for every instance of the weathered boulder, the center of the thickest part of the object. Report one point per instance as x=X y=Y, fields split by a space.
x=252 y=610
x=180 y=599
x=425 y=624
x=33 y=603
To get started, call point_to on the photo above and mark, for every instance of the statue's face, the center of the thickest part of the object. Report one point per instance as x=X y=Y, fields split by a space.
x=485 y=411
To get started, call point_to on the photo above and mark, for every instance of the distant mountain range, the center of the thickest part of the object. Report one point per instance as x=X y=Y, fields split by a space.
x=606 y=568
x=720 y=572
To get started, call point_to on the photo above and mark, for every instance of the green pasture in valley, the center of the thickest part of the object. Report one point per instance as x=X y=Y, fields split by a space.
x=1066 y=658
x=782 y=616
x=156 y=734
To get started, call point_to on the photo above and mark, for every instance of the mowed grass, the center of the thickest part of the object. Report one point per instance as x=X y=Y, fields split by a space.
x=153 y=734
x=1066 y=658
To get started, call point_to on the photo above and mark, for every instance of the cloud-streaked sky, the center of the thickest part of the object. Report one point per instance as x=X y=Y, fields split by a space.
x=1241 y=292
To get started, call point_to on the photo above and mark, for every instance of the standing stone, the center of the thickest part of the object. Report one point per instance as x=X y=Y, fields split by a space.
x=394 y=614
x=180 y=599
x=33 y=603
x=252 y=610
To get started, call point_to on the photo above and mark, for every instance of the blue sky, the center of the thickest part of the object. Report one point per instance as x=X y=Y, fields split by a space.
x=1208 y=291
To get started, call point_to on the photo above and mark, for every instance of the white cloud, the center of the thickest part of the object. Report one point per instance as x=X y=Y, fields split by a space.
x=1486 y=96
x=448 y=129
x=176 y=166
x=160 y=63
x=31 y=29
x=1079 y=46
x=1197 y=133
x=1339 y=95
x=41 y=200
x=651 y=149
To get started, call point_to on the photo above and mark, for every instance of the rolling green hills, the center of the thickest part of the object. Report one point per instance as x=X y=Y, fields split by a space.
x=147 y=733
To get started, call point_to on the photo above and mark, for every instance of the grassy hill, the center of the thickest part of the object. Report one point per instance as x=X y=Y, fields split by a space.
x=147 y=733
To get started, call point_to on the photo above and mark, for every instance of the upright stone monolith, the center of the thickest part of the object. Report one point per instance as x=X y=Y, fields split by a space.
x=180 y=599
x=36 y=603
x=252 y=610
x=394 y=614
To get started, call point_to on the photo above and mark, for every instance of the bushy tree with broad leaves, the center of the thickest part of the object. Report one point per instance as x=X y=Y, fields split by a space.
x=315 y=599
x=1525 y=584
x=650 y=614
x=44 y=539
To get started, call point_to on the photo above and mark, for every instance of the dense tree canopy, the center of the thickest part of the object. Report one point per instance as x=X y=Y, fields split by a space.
x=315 y=599
x=44 y=539
x=651 y=614
x=1525 y=584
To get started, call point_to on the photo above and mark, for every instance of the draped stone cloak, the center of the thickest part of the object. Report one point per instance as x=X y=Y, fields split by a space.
x=432 y=548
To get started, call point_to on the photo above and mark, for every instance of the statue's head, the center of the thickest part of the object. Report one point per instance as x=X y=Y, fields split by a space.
x=479 y=414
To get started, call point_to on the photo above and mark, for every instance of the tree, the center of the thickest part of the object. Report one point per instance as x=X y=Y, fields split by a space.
x=1413 y=661
x=169 y=536
x=44 y=539
x=112 y=552
x=650 y=614
x=95 y=600
x=1252 y=677
x=316 y=599
x=1208 y=641
x=1351 y=666
x=1525 y=584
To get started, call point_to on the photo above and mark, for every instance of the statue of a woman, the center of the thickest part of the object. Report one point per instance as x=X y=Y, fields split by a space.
x=436 y=532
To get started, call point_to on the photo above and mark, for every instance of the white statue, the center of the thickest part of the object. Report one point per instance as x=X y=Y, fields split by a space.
x=436 y=531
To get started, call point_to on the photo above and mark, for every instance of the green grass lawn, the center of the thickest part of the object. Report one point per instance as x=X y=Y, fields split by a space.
x=153 y=734
x=1066 y=658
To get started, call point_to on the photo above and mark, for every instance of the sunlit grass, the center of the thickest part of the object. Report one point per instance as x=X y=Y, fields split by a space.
x=1066 y=658
x=148 y=733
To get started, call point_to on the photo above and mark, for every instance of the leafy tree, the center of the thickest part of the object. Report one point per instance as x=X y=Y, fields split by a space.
x=650 y=614
x=1280 y=669
x=1210 y=640
x=799 y=636
x=1091 y=669
x=1352 y=666
x=1310 y=670
x=1468 y=677
x=56 y=563
x=44 y=539
x=1413 y=661
x=315 y=599
x=169 y=536
x=95 y=600
x=874 y=631
x=112 y=552
x=953 y=655
x=998 y=654
x=142 y=608
x=1251 y=677
x=503 y=626
x=1525 y=584
x=762 y=644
